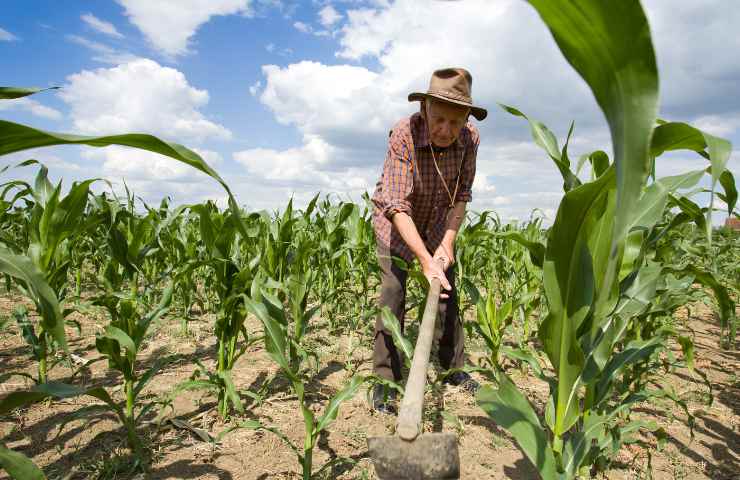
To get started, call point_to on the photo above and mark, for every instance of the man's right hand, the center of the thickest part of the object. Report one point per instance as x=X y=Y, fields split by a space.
x=432 y=268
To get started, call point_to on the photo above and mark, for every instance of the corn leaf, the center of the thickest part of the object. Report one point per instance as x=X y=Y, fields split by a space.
x=394 y=326
x=346 y=393
x=510 y=409
x=10 y=93
x=727 y=180
x=15 y=137
x=681 y=136
x=23 y=269
x=543 y=137
x=18 y=466
x=536 y=249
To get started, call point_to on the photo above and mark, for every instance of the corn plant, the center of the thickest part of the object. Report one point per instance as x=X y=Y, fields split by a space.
x=32 y=283
x=232 y=275
x=596 y=280
x=120 y=344
x=53 y=225
x=285 y=331
x=178 y=238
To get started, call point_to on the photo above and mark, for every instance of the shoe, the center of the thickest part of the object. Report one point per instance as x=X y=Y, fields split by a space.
x=384 y=399
x=462 y=380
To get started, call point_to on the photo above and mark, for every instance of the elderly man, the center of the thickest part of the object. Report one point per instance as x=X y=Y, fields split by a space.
x=419 y=205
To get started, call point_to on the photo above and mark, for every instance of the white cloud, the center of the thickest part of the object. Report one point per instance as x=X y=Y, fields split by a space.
x=481 y=185
x=338 y=102
x=295 y=164
x=32 y=106
x=328 y=16
x=255 y=88
x=6 y=36
x=283 y=52
x=169 y=24
x=139 y=96
x=105 y=54
x=302 y=27
x=303 y=167
x=719 y=125
x=693 y=41
x=306 y=28
x=101 y=26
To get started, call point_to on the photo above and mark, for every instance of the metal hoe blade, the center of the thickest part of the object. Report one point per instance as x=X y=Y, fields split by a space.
x=430 y=456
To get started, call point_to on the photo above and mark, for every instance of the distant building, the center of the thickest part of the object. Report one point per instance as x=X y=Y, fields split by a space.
x=733 y=223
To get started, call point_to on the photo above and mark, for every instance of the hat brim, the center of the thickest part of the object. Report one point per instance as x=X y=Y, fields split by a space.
x=477 y=112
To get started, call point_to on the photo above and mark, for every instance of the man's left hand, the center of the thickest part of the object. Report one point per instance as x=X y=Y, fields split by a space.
x=446 y=253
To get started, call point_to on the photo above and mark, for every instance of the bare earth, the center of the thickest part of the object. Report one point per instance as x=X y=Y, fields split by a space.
x=93 y=448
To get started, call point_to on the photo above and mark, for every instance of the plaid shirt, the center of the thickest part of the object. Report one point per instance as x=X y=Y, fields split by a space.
x=410 y=183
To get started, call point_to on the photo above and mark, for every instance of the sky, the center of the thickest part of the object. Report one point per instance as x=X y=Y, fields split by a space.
x=291 y=98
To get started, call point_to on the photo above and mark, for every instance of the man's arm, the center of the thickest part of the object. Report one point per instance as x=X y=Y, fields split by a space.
x=406 y=227
x=446 y=249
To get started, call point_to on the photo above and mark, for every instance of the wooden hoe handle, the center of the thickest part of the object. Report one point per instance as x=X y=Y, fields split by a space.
x=409 y=417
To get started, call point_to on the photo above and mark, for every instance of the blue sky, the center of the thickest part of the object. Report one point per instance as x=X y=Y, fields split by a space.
x=289 y=98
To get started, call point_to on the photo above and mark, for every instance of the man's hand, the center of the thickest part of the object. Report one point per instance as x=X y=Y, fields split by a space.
x=446 y=254
x=433 y=269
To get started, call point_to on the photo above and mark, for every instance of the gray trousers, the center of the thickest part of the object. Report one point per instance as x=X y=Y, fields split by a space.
x=387 y=360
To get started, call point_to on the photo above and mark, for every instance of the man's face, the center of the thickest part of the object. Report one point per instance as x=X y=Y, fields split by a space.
x=445 y=122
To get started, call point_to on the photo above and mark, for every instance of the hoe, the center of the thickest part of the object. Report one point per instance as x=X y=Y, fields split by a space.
x=410 y=454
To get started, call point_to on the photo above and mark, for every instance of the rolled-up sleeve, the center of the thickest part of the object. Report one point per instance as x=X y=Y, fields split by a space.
x=398 y=176
x=467 y=174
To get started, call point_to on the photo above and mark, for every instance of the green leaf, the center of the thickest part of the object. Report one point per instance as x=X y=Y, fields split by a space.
x=231 y=390
x=728 y=320
x=719 y=151
x=18 y=466
x=53 y=389
x=543 y=137
x=43 y=296
x=652 y=203
x=599 y=163
x=727 y=180
x=149 y=374
x=391 y=323
x=126 y=343
x=635 y=351
x=346 y=393
x=19 y=399
x=687 y=347
x=15 y=137
x=672 y=136
x=275 y=337
x=524 y=356
x=511 y=410
x=676 y=135
x=536 y=249
x=10 y=93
